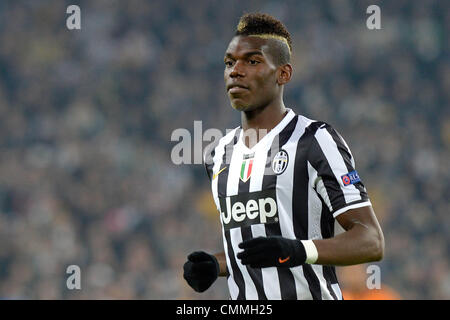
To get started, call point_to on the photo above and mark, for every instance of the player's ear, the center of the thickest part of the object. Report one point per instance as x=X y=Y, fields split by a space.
x=284 y=74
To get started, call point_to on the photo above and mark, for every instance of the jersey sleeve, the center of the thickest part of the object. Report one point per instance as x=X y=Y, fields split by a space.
x=332 y=172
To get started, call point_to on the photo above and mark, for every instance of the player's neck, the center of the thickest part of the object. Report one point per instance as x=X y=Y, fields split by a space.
x=262 y=120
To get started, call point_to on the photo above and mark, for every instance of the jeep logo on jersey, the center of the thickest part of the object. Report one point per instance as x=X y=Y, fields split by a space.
x=280 y=162
x=249 y=208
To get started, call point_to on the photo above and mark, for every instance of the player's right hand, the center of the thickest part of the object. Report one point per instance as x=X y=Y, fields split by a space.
x=201 y=270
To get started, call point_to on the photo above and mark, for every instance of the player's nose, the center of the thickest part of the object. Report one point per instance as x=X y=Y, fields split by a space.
x=237 y=70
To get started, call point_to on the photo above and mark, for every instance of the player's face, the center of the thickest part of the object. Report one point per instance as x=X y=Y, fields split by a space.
x=250 y=75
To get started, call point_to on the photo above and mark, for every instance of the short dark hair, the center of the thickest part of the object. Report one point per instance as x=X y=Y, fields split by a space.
x=261 y=24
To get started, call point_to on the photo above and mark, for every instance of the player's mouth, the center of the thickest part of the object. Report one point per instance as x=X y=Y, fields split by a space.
x=236 y=88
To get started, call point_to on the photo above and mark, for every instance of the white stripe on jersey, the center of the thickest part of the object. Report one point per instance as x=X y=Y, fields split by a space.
x=314 y=232
x=219 y=151
x=337 y=290
x=235 y=234
x=218 y=156
x=314 y=229
x=314 y=206
x=316 y=183
x=320 y=188
x=269 y=275
x=284 y=200
x=352 y=206
x=250 y=289
x=337 y=164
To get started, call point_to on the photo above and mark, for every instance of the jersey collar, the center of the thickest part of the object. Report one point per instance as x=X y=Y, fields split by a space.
x=269 y=136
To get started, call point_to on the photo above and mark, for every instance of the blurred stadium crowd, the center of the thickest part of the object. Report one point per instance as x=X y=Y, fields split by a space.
x=86 y=118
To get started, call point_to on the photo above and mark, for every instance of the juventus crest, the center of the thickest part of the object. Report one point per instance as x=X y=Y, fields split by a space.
x=280 y=162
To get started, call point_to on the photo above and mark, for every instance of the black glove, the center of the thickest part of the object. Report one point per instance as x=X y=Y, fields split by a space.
x=272 y=251
x=201 y=270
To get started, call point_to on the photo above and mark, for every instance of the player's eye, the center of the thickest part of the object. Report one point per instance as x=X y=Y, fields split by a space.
x=228 y=63
x=253 y=62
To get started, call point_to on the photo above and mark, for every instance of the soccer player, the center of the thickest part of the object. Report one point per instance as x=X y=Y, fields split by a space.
x=280 y=182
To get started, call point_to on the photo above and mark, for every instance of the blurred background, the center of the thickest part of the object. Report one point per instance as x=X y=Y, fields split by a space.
x=86 y=118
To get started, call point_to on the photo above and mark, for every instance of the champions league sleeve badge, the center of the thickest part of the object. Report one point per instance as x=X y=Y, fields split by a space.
x=280 y=162
x=350 y=178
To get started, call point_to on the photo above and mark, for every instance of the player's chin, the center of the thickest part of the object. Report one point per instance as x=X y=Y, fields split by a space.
x=240 y=105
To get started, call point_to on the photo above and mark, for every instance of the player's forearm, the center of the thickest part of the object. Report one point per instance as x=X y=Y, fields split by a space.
x=222 y=264
x=360 y=244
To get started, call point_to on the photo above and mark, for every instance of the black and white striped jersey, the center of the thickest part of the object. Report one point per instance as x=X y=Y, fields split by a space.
x=293 y=183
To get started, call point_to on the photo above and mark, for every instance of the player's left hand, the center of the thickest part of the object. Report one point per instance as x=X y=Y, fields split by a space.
x=274 y=251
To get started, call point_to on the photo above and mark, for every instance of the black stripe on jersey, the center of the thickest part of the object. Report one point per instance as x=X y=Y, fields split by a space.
x=345 y=153
x=300 y=183
x=222 y=192
x=326 y=221
x=329 y=274
x=317 y=159
x=270 y=178
x=327 y=230
x=300 y=202
x=208 y=160
x=255 y=273
x=226 y=159
x=285 y=276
